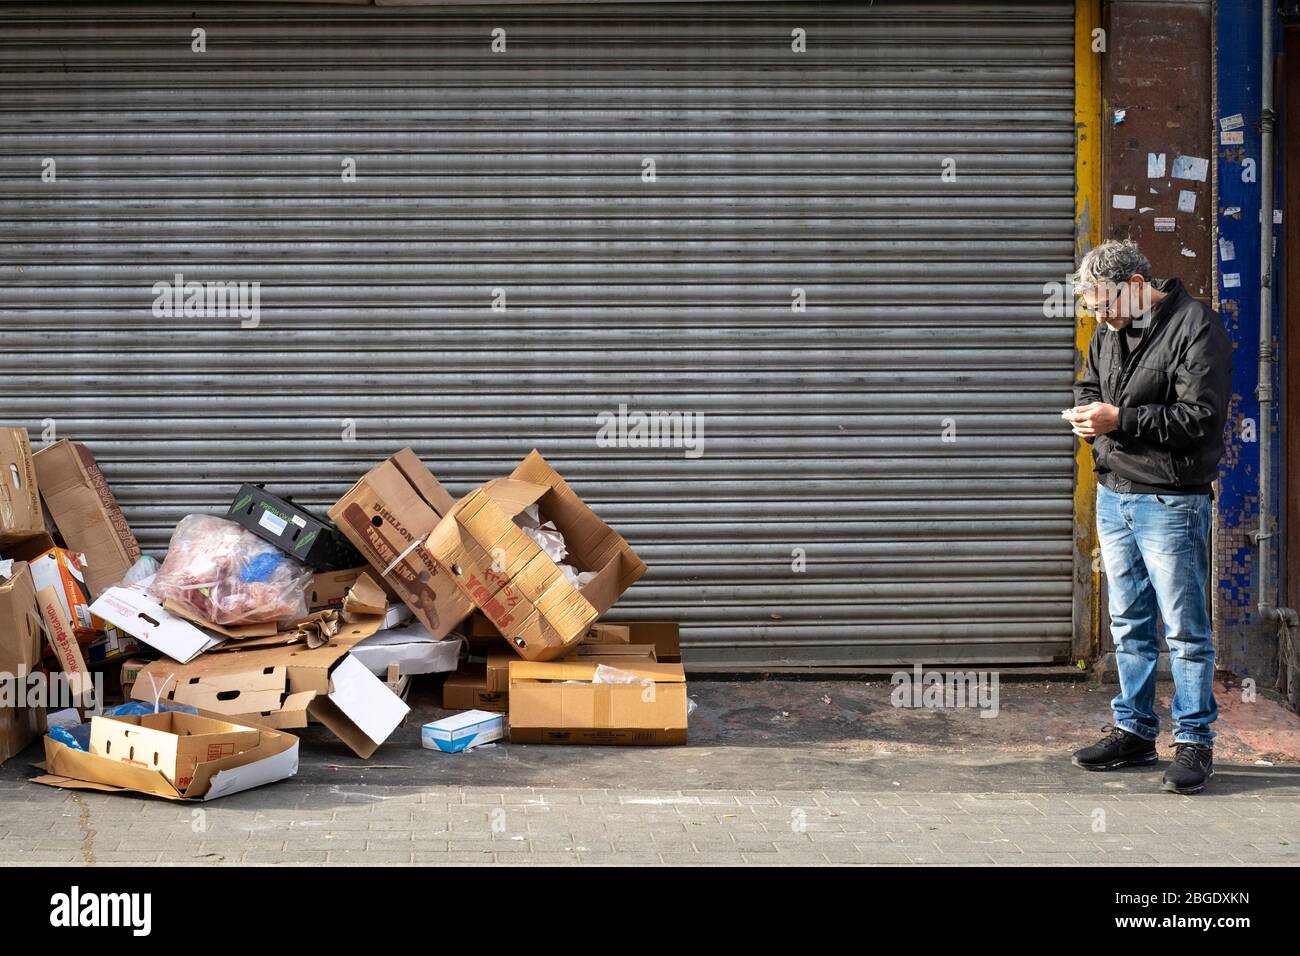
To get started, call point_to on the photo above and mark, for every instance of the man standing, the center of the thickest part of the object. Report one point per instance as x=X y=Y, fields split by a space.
x=1152 y=402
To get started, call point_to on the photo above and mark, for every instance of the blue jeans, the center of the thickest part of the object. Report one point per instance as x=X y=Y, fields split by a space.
x=1156 y=552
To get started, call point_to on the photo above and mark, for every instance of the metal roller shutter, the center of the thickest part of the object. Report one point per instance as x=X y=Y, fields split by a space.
x=776 y=170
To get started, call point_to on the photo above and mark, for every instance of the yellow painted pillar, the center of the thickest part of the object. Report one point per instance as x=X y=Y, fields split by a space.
x=1088 y=111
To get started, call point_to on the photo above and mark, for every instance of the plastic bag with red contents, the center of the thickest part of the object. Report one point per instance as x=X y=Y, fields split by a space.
x=221 y=572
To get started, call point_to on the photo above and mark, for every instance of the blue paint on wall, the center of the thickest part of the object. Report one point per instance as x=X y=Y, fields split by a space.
x=1245 y=646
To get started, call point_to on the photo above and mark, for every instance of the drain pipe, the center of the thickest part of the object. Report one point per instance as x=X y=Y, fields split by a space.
x=1269 y=589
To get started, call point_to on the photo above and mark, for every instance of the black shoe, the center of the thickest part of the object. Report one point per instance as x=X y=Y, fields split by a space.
x=1117 y=749
x=1193 y=765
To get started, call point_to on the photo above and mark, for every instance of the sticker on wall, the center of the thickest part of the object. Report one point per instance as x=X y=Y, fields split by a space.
x=1164 y=223
x=1190 y=167
x=1277 y=217
x=1232 y=212
x=1186 y=200
x=1119 y=116
x=1232 y=138
x=1119 y=201
x=1227 y=251
x=1155 y=165
x=1187 y=252
x=1232 y=280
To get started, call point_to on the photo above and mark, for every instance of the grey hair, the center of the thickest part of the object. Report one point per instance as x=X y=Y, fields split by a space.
x=1114 y=261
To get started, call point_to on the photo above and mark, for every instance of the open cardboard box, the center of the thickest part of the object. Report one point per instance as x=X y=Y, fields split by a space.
x=512 y=581
x=283 y=686
x=172 y=755
x=386 y=515
x=545 y=709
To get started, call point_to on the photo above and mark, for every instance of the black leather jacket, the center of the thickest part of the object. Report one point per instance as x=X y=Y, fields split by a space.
x=1172 y=394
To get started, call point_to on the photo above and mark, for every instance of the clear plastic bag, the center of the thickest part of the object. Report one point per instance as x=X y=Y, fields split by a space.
x=141 y=573
x=605 y=674
x=226 y=575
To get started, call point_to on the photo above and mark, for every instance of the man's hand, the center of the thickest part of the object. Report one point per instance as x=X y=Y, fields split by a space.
x=1093 y=419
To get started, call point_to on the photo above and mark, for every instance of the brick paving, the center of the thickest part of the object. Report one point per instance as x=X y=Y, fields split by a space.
x=526 y=825
x=758 y=786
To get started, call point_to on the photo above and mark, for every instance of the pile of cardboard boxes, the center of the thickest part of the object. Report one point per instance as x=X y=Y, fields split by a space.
x=496 y=601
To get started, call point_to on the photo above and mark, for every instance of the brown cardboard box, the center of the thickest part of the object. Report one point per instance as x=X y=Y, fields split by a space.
x=467 y=690
x=18 y=728
x=664 y=635
x=64 y=643
x=385 y=514
x=28 y=547
x=482 y=637
x=86 y=513
x=63 y=571
x=497 y=671
x=172 y=743
x=228 y=757
x=546 y=710
x=130 y=673
x=512 y=581
x=478 y=627
x=20 y=625
x=602 y=633
x=20 y=502
x=329 y=588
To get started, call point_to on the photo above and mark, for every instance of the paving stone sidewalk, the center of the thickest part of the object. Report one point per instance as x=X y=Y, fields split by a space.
x=759 y=786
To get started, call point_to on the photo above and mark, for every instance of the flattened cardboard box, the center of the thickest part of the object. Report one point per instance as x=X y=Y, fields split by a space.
x=544 y=709
x=86 y=513
x=512 y=581
x=385 y=515
x=20 y=501
x=145 y=619
x=273 y=756
x=282 y=686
